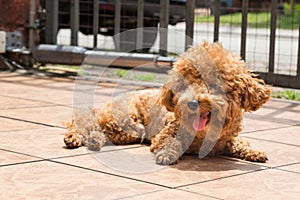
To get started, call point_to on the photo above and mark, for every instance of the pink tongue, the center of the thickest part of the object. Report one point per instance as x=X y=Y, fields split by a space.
x=200 y=121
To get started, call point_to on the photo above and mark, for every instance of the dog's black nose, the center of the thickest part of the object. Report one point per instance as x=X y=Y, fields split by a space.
x=193 y=105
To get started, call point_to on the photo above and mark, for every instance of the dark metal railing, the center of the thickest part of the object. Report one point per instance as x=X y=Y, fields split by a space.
x=270 y=75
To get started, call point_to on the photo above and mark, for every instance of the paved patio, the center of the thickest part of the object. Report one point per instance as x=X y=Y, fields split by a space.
x=35 y=165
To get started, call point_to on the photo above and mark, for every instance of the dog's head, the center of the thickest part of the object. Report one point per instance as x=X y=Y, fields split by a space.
x=215 y=69
x=195 y=107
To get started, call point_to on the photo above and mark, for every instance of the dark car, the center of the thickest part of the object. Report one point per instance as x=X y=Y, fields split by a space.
x=128 y=19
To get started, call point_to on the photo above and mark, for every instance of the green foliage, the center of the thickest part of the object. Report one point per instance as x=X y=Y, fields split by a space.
x=121 y=72
x=288 y=20
x=287 y=94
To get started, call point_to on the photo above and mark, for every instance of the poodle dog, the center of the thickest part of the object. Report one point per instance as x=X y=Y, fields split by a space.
x=198 y=110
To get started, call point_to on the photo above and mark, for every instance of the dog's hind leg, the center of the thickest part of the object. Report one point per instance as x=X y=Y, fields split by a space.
x=239 y=148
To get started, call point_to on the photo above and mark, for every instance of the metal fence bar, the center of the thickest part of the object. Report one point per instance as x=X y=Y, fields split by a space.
x=31 y=22
x=95 y=21
x=51 y=21
x=117 y=24
x=217 y=11
x=163 y=25
x=140 y=25
x=74 y=22
x=189 y=25
x=272 y=36
x=245 y=6
x=298 y=60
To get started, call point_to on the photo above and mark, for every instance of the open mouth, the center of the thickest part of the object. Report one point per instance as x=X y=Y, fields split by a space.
x=201 y=120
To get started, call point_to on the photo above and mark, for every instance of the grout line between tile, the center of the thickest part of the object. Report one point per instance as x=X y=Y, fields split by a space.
x=286 y=170
x=224 y=177
x=110 y=174
x=24 y=154
x=288 y=144
x=67 y=156
x=269 y=129
x=285 y=165
x=200 y=194
x=20 y=129
x=92 y=153
x=32 y=122
x=272 y=119
x=257 y=164
x=156 y=191
x=26 y=99
x=25 y=83
x=28 y=107
x=140 y=195
x=22 y=163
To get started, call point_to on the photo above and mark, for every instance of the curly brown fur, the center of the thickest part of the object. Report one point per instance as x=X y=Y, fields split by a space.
x=202 y=74
x=131 y=118
x=199 y=109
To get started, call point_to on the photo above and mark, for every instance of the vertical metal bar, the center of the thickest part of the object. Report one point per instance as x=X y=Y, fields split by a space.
x=74 y=22
x=31 y=23
x=51 y=21
x=117 y=24
x=272 y=36
x=245 y=5
x=189 y=28
x=163 y=25
x=217 y=19
x=298 y=60
x=95 y=21
x=140 y=25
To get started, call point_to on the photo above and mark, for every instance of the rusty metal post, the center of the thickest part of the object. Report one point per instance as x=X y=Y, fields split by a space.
x=163 y=25
x=190 y=18
x=117 y=24
x=140 y=25
x=272 y=36
x=74 y=22
x=217 y=12
x=51 y=21
x=32 y=13
x=245 y=6
x=95 y=21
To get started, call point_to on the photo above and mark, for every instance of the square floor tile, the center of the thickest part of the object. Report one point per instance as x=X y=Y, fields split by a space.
x=266 y=184
x=53 y=116
x=252 y=125
x=139 y=164
x=48 y=180
x=43 y=142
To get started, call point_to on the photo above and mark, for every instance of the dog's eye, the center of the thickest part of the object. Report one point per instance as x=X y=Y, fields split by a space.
x=193 y=105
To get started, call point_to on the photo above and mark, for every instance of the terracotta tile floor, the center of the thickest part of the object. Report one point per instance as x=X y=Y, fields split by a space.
x=35 y=165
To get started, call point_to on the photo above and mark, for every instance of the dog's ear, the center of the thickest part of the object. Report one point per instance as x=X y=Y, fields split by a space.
x=255 y=94
x=168 y=98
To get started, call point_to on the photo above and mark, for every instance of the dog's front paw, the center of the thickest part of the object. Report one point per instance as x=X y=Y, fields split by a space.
x=167 y=157
x=73 y=140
